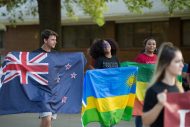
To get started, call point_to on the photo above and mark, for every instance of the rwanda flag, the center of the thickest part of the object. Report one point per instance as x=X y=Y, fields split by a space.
x=108 y=95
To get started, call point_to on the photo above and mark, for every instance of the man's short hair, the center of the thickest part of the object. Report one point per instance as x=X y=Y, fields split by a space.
x=46 y=33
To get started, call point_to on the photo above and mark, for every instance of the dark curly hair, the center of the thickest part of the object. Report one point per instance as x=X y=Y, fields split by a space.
x=146 y=40
x=97 y=50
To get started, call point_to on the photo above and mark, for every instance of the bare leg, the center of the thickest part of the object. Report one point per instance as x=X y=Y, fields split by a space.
x=46 y=121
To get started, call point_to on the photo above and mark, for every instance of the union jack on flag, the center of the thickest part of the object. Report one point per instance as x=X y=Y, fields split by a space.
x=24 y=65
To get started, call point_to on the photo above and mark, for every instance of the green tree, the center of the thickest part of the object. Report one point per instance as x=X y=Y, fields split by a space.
x=50 y=10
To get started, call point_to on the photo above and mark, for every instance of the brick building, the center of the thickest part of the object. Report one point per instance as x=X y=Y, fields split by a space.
x=128 y=29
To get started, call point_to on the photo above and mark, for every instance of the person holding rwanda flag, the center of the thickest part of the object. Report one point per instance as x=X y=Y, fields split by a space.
x=104 y=53
x=108 y=91
x=148 y=56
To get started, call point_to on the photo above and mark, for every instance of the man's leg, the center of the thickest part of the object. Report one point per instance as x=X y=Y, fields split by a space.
x=46 y=121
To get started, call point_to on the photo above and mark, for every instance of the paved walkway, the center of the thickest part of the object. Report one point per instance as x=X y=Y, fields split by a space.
x=31 y=120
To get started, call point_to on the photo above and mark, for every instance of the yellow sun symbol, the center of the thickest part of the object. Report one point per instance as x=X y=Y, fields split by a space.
x=131 y=80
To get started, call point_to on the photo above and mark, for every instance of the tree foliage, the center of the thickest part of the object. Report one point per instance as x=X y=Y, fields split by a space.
x=14 y=11
x=94 y=8
x=176 y=4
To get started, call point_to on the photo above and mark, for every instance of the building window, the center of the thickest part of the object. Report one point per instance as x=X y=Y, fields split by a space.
x=80 y=36
x=1 y=38
x=186 y=31
x=131 y=35
x=124 y=35
x=160 y=31
x=141 y=31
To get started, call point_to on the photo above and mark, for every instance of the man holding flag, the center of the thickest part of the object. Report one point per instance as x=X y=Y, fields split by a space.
x=49 y=38
x=42 y=81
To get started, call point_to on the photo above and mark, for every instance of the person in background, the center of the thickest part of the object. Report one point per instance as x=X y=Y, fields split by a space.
x=49 y=39
x=188 y=77
x=103 y=53
x=185 y=78
x=1 y=73
x=164 y=80
x=147 y=56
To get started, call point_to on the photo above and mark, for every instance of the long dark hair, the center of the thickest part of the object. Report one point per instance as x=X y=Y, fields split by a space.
x=96 y=49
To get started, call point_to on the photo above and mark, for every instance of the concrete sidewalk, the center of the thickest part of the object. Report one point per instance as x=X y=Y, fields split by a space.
x=31 y=120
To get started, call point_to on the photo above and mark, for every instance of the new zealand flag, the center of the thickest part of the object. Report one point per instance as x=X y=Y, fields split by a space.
x=42 y=82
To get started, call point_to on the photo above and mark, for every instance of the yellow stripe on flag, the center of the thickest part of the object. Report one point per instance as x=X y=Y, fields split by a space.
x=141 y=88
x=110 y=103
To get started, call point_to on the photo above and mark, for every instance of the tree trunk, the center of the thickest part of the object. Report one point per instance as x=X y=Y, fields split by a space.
x=50 y=17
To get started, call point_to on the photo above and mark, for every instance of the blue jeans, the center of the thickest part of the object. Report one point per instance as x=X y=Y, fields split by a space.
x=138 y=121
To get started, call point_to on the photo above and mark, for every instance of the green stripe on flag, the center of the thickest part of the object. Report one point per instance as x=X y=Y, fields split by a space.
x=107 y=118
x=179 y=78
